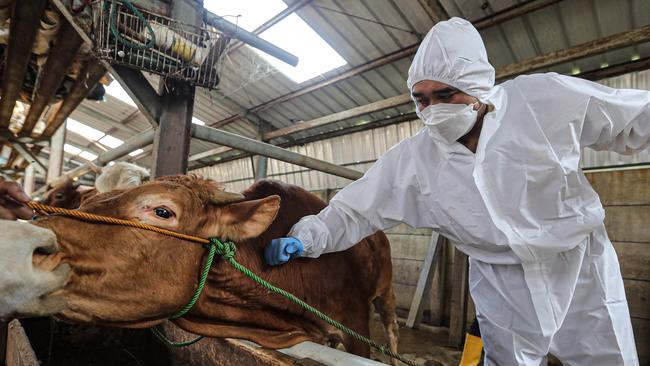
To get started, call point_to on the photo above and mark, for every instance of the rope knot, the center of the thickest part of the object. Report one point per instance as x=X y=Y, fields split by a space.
x=226 y=250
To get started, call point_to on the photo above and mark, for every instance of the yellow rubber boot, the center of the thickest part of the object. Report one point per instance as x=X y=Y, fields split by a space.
x=471 y=351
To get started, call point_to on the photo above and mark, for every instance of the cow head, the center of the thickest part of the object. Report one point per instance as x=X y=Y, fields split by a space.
x=131 y=277
x=67 y=194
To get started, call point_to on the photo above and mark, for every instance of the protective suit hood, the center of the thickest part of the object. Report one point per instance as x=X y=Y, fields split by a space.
x=453 y=53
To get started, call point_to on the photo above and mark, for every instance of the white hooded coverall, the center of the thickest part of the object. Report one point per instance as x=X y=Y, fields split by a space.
x=543 y=273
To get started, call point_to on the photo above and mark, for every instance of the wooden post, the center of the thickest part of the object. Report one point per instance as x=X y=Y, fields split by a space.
x=424 y=282
x=171 y=144
x=458 y=317
x=55 y=164
x=30 y=179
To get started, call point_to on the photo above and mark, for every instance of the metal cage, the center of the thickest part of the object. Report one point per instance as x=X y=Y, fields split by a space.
x=136 y=38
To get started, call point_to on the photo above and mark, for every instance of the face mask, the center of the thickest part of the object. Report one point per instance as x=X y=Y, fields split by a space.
x=449 y=121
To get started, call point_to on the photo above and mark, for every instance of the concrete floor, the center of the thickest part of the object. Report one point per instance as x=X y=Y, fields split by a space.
x=425 y=347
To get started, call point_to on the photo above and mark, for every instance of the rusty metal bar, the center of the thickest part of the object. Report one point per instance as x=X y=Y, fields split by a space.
x=58 y=62
x=597 y=46
x=21 y=39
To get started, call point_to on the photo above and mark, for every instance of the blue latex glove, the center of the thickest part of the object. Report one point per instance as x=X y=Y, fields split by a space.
x=281 y=250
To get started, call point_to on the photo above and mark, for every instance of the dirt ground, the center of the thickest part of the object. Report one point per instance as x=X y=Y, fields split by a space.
x=425 y=347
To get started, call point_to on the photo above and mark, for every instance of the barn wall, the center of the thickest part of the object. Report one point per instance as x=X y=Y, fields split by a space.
x=626 y=197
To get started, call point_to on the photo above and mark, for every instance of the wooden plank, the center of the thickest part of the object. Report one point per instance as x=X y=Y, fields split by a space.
x=424 y=282
x=221 y=351
x=628 y=223
x=22 y=36
x=19 y=350
x=641 y=328
x=438 y=294
x=634 y=259
x=622 y=187
x=638 y=298
x=457 y=321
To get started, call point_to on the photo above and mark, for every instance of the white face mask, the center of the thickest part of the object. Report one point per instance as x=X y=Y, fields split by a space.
x=449 y=121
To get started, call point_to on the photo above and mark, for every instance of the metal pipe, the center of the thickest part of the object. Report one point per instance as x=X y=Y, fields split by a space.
x=134 y=143
x=273 y=21
x=21 y=38
x=260 y=148
x=249 y=38
x=55 y=163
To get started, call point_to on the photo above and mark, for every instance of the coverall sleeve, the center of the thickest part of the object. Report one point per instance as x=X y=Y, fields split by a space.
x=614 y=119
x=388 y=194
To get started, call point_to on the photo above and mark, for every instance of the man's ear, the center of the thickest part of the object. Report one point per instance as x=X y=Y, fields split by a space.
x=242 y=220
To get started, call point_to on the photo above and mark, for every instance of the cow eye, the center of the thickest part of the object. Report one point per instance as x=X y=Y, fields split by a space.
x=58 y=196
x=162 y=212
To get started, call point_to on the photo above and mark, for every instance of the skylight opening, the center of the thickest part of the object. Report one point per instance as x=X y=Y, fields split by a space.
x=110 y=141
x=315 y=56
x=291 y=34
x=88 y=155
x=83 y=130
x=197 y=121
x=71 y=149
x=115 y=90
x=136 y=152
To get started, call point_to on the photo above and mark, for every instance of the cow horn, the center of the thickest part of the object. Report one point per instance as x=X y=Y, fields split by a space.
x=223 y=197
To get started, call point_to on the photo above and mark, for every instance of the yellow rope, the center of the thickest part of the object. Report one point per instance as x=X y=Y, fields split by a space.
x=111 y=220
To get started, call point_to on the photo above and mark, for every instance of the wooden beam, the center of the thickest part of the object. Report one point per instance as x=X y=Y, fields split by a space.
x=56 y=68
x=19 y=350
x=143 y=94
x=21 y=38
x=30 y=158
x=424 y=282
x=597 y=46
x=458 y=317
x=340 y=116
x=616 y=70
x=434 y=10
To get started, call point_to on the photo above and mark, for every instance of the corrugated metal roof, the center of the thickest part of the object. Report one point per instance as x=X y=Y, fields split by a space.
x=389 y=25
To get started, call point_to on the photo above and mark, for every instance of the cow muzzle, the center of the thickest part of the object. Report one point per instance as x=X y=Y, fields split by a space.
x=30 y=271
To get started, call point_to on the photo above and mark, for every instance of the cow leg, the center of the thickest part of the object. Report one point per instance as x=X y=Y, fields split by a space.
x=360 y=324
x=385 y=305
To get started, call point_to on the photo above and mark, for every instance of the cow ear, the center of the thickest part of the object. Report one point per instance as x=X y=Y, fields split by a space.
x=243 y=220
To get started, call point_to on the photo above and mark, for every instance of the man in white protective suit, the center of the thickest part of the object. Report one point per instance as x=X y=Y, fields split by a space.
x=496 y=170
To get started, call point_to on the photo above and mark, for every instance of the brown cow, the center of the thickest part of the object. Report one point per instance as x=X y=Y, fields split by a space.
x=67 y=194
x=132 y=278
